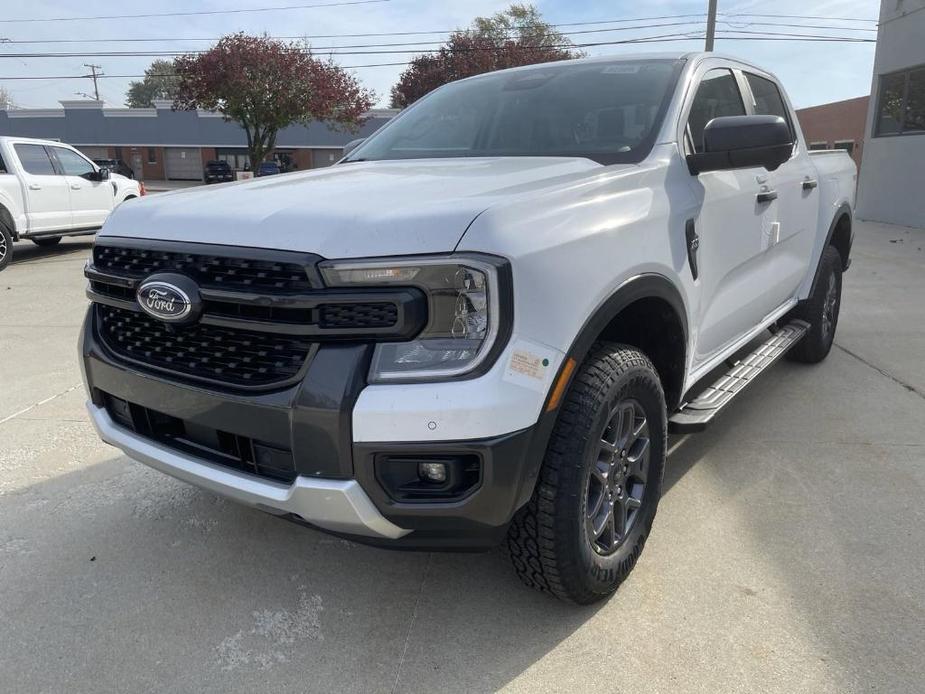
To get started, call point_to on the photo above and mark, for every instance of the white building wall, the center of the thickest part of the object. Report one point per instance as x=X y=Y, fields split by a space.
x=891 y=187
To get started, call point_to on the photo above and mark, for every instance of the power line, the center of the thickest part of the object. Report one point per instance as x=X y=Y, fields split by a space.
x=436 y=41
x=665 y=39
x=798 y=16
x=149 y=15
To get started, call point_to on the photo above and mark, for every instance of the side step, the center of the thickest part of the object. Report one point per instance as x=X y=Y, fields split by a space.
x=697 y=414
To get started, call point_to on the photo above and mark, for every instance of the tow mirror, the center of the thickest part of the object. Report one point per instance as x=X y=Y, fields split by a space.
x=739 y=142
x=102 y=174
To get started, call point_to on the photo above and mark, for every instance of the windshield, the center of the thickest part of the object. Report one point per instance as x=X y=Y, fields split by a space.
x=606 y=111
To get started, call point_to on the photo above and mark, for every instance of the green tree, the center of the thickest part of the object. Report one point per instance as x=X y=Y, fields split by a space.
x=517 y=36
x=160 y=82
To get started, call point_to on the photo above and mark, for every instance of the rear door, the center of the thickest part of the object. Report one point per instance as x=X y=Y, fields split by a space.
x=48 y=204
x=796 y=209
x=91 y=201
x=731 y=225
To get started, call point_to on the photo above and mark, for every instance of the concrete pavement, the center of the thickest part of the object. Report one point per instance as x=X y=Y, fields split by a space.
x=787 y=555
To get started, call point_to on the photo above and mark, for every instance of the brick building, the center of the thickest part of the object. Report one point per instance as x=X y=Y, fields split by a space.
x=838 y=125
x=159 y=143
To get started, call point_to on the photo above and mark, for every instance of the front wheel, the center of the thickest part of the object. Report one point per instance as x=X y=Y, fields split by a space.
x=6 y=246
x=583 y=530
x=47 y=241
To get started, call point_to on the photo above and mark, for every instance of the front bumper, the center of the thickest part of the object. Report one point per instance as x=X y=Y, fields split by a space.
x=334 y=484
x=340 y=506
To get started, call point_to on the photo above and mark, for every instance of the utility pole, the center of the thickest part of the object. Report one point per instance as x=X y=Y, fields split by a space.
x=93 y=76
x=711 y=25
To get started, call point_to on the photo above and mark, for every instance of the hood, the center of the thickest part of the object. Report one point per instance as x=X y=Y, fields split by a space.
x=348 y=210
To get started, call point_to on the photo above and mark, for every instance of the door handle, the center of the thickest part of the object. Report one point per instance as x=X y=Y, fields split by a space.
x=75 y=186
x=766 y=196
x=809 y=184
x=34 y=186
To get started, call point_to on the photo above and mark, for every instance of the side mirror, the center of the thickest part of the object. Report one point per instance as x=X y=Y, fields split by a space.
x=100 y=175
x=353 y=144
x=739 y=142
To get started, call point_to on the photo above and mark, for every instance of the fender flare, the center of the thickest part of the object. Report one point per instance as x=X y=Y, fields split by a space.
x=12 y=221
x=844 y=210
x=644 y=286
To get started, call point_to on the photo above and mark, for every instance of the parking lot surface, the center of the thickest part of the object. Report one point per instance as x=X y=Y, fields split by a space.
x=787 y=556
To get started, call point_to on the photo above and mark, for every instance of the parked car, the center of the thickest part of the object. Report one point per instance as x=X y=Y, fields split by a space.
x=268 y=168
x=217 y=171
x=480 y=326
x=115 y=166
x=49 y=190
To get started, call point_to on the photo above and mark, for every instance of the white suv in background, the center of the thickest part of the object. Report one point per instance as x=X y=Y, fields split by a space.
x=49 y=190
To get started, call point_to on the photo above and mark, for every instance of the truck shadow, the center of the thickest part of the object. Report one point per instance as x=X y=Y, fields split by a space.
x=26 y=251
x=171 y=587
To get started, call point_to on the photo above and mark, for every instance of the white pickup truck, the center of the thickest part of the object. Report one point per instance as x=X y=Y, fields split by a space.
x=479 y=327
x=49 y=190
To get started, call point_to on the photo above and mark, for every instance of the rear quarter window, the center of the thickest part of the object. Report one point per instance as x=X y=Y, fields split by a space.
x=34 y=159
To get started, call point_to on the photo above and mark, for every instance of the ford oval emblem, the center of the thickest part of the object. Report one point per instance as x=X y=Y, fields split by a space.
x=170 y=298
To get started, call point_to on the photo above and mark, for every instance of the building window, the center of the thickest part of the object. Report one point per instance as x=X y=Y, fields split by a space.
x=847 y=145
x=818 y=145
x=901 y=103
x=152 y=155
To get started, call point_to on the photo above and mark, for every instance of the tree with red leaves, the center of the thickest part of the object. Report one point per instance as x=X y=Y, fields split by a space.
x=265 y=85
x=517 y=36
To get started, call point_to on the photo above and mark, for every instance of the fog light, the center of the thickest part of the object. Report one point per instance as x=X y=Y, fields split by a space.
x=432 y=472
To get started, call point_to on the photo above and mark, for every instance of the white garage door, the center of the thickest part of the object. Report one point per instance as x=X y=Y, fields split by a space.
x=183 y=163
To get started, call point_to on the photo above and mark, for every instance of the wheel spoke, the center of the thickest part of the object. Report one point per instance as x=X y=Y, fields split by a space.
x=632 y=503
x=600 y=521
x=638 y=450
x=627 y=424
x=619 y=521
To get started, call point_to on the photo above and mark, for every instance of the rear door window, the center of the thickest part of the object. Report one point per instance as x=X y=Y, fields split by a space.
x=718 y=95
x=34 y=159
x=767 y=99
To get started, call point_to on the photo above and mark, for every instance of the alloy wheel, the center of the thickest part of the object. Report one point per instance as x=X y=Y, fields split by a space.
x=617 y=482
x=830 y=307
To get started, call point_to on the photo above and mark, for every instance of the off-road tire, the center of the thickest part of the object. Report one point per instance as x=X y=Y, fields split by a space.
x=820 y=310
x=47 y=241
x=6 y=246
x=548 y=541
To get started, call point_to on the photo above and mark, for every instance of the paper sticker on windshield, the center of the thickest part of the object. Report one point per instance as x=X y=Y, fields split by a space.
x=620 y=70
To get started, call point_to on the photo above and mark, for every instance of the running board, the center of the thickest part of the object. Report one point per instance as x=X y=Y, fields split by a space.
x=698 y=413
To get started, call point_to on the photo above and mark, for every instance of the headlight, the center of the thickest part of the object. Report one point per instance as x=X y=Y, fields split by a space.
x=466 y=296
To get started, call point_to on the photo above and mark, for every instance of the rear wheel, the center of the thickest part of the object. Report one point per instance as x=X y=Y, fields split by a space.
x=47 y=241
x=6 y=246
x=820 y=310
x=580 y=535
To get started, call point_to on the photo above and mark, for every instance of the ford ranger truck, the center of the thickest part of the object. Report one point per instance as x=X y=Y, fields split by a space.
x=479 y=327
x=49 y=190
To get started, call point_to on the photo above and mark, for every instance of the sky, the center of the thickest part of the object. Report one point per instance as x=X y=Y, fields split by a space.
x=813 y=72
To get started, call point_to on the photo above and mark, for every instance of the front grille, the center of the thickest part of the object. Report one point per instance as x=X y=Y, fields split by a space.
x=372 y=315
x=209 y=270
x=205 y=352
x=222 y=447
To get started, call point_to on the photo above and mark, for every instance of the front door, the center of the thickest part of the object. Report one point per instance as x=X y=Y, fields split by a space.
x=91 y=201
x=48 y=205
x=732 y=224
